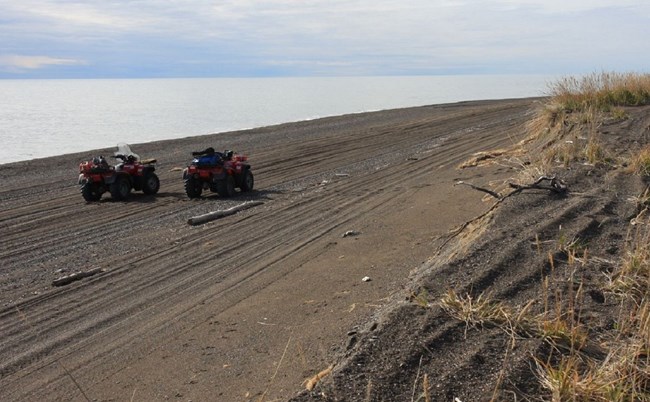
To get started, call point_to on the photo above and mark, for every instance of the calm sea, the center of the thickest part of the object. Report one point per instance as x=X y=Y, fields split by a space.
x=40 y=118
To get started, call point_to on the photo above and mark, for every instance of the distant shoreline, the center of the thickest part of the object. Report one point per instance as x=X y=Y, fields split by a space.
x=244 y=131
x=56 y=117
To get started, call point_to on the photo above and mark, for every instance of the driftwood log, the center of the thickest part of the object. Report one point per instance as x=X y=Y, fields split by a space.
x=65 y=280
x=210 y=216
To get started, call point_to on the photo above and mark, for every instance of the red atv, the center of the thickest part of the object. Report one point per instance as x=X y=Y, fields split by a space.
x=96 y=176
x=219 y=172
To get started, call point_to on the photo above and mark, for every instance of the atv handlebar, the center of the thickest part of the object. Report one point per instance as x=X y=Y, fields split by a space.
x=227 y=154
x=126 y=158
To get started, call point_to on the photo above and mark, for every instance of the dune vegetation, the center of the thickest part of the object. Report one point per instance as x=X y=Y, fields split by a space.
x=565 y=131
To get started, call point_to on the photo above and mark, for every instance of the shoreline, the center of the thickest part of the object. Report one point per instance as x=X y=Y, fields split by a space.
x=270 y=126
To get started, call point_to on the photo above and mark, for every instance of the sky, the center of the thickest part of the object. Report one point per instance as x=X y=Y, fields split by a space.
x=254 y=38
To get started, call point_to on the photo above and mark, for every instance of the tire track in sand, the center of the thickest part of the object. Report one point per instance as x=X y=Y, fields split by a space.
x=142 y=295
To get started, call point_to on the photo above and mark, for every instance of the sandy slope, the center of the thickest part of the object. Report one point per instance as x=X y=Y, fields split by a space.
x=247 y=306
x=538 y=249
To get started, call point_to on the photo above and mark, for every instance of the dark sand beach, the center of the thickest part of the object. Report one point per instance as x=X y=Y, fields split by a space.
x=250 y=306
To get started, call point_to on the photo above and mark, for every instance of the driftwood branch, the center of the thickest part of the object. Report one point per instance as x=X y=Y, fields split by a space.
x=554 y=184
x=485 y=190
x=65 y=280
x=210 y=216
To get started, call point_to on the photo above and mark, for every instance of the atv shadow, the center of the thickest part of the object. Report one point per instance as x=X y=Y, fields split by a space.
x=255 y=195
x=139 y=198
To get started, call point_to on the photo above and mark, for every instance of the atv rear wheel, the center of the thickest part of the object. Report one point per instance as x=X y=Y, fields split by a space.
x=247 y=182
x=90 y=191
x=151 y=184
x=193 y=187
x=226 y=187
x=120 y=188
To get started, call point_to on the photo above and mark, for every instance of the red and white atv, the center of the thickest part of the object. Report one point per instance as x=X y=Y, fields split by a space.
x=96 y=176
x=219 y=172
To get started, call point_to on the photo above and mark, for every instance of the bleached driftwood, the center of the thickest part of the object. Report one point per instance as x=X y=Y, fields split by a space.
x=65 y=280
x=210 y=216
x=311 y=383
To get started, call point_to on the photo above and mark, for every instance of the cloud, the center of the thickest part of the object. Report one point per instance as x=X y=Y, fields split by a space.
x=569 y=7
x=325 y=37
x=17 y=63
x=56 y=14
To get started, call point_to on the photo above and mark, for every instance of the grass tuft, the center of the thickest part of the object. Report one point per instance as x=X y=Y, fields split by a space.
x=640 y=163
x=632 y=278
x=421 y=298
x=602 y=91
x=474 y=311
x=562 y=379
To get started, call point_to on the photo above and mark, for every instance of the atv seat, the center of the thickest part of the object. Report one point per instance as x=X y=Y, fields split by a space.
x=99 y=169
x=209 y=161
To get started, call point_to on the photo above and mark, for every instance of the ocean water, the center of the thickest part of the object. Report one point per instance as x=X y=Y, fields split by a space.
x=40 y=118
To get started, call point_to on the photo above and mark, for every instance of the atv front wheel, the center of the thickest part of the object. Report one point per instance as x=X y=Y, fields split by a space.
x=90 y=191
x=120 y=188
x=151 y=184
x=226 y=187
x=247 y=182
x=193 y=187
